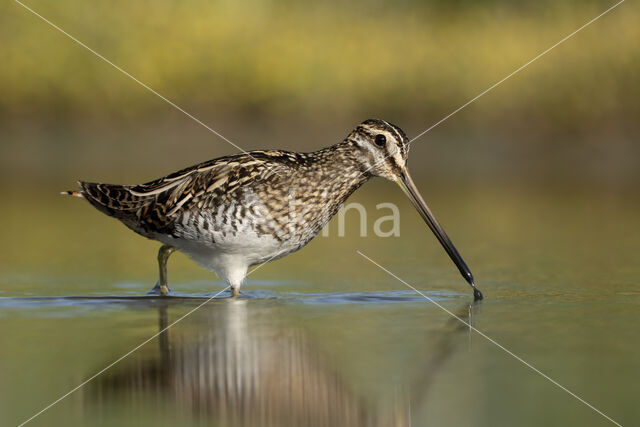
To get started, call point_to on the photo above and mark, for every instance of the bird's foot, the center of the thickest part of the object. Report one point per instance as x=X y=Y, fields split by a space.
x=161 y=290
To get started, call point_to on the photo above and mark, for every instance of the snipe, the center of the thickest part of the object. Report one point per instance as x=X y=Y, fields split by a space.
x=237 y=211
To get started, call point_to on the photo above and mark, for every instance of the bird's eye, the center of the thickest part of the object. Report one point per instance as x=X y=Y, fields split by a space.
x=380 y=140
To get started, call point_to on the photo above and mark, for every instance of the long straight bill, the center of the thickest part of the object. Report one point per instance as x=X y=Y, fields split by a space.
x=409 y=188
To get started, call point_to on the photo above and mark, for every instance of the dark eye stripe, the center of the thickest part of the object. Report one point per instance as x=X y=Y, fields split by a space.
x=392 y=164
x=400 y=137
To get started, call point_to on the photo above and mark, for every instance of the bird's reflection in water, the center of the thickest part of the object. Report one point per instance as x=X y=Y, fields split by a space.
x=241 y=369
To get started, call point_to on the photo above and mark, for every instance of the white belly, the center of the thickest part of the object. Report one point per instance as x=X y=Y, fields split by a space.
x=228 y=240
x=230 y=253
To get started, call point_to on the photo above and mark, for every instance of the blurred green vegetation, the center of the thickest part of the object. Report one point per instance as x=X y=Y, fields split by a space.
x=259 y=56
x=299 y=75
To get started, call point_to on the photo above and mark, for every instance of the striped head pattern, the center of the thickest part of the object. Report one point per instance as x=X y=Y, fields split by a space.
x=383 y=147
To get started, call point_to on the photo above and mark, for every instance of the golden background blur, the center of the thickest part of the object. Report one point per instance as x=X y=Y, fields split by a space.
x=300 y=75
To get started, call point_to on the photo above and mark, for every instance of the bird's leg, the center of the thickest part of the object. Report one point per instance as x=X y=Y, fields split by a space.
x=163 y=255
x=235 y=291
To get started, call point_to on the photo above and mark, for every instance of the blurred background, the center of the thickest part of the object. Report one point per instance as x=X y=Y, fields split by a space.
x=536 y=183
x=300 y=75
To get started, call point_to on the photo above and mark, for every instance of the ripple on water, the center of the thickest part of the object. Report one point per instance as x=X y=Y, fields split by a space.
x=68 y=306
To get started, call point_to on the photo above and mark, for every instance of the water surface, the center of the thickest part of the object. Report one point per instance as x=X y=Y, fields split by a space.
x=324 y=337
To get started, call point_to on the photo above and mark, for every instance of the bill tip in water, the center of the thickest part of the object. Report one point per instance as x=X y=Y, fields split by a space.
x=477 y=295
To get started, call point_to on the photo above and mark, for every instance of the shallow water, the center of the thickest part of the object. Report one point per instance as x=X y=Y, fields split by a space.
x=323 y=337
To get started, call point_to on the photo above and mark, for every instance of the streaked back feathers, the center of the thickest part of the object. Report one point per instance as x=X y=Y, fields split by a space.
x=272 y=175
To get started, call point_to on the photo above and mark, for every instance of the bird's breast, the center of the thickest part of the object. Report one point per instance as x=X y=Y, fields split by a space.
x=263 y=221
x=252 y=232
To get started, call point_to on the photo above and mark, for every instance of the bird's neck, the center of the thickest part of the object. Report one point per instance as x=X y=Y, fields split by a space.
x=338 y=170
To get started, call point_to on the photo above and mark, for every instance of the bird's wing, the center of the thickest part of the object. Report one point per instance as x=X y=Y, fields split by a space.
x=154 y=206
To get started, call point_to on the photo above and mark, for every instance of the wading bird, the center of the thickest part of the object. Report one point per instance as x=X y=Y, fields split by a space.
x=236 y=211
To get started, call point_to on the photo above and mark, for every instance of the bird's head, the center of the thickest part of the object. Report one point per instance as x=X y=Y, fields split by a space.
x=382 y=151
x=382 y=146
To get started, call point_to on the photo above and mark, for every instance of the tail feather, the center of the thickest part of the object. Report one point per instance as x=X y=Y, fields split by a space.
x=110 y=198
x=118 y=201
x=74 y=193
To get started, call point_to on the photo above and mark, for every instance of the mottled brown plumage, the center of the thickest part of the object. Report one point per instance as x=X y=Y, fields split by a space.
x=283 y=182
x=236 y=211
